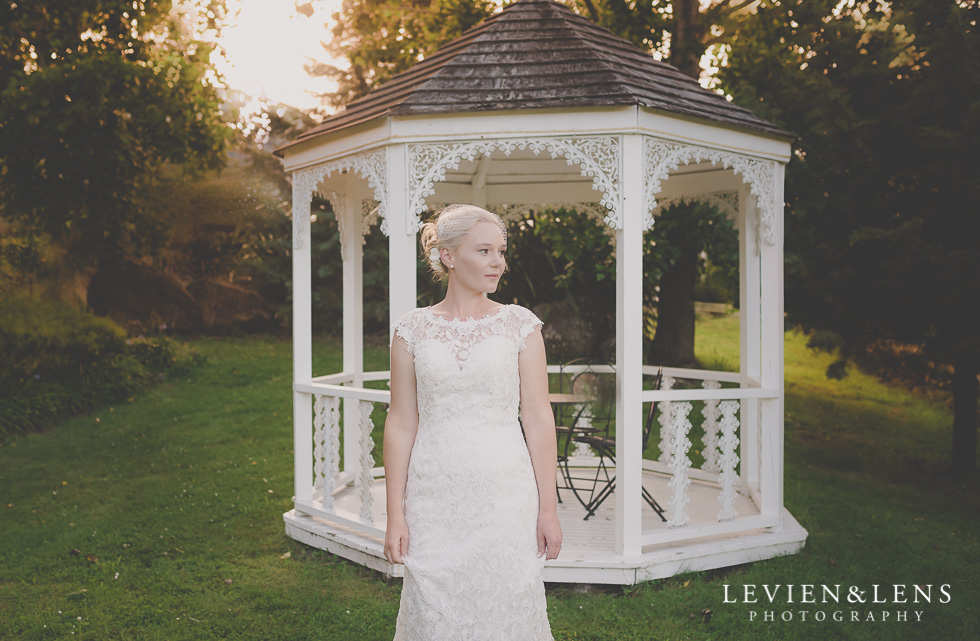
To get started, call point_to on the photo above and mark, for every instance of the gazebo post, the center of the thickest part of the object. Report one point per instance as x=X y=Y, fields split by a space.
x=771 y=263
x=401 y=238
x=302 y=344
x=750 y=332
x=348 y=210
x=629 y=360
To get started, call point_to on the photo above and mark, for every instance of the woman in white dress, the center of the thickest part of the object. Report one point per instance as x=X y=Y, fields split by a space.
x=472 y=505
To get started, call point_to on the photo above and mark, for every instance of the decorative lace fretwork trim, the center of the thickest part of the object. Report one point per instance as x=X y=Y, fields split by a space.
x=371 y=165
x=680 y=463
x=598 y=157
x=661 y=156
x=710 y=425
x=729 y=459
x=326 y=451
x=367 y=458
x=666 y=428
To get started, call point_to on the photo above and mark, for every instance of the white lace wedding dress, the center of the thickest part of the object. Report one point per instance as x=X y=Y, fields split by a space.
x=472 y=572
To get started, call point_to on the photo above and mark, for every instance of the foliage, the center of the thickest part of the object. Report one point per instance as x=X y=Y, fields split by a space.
x=676 y=31
x=381 y=38
x=22 y=261
x=57 y=360
x=881 y=241
x=717 y=284
x=881 y=230
x=265 y=262
x=96 y=97
x=699 y=228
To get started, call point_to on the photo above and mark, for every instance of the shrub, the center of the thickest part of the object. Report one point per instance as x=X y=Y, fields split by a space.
x=57 y=361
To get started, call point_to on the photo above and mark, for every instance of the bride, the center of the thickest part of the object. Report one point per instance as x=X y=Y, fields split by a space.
x=471 y=500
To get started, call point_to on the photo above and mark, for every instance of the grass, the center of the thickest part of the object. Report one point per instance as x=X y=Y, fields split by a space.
x=163 y=519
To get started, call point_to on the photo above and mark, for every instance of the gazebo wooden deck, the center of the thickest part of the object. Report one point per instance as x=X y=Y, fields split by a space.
x=588 y=552
x=537 y=106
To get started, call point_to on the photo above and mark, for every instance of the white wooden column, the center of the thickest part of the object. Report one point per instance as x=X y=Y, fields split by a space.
x=402 y=252
x=771 y=438
x=349 y=208
x=749 y=331
x=302 y=341
x=629 y=355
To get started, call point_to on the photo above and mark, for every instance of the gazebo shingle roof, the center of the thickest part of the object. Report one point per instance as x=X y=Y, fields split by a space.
x=540 y=54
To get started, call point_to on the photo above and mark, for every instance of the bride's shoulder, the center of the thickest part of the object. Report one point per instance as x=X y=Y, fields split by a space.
x=524 y=314
x=408 y=320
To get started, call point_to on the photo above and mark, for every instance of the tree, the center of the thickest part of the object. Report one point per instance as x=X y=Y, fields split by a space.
x=672 y=258
x=881 y=224
x=96 y=97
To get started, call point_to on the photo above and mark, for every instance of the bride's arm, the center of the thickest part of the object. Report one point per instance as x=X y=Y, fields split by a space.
x=539 y=430
x=401 y=426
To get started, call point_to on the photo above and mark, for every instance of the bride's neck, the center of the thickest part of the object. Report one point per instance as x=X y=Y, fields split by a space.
x=460 y=301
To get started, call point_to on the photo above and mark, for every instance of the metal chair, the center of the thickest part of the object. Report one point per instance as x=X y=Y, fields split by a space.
x=567 y=415
x=597 y=484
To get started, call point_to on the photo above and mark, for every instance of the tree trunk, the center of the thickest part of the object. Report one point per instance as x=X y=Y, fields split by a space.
x=965 y=363
x=687 y=37
x=673 y=343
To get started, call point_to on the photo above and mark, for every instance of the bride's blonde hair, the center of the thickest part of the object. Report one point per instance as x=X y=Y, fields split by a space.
x=448 y=228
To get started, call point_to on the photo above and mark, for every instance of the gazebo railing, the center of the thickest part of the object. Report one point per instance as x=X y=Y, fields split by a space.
x=731 y=460
x=324 y=451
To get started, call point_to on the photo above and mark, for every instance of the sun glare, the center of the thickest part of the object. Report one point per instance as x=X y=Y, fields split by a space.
x=267 y=42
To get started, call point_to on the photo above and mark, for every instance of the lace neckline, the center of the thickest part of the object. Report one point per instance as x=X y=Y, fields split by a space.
x=468 y=319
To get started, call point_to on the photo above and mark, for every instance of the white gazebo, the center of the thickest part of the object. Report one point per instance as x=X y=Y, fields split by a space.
x=537 y=106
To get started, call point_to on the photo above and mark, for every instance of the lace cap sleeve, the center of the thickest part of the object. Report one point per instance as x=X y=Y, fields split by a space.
x=404 y=328
x=527 y=325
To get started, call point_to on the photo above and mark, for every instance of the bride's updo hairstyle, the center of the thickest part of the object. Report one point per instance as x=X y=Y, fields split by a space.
x=448 y=228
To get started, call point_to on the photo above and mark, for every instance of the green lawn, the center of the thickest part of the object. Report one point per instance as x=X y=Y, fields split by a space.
x=161 y=518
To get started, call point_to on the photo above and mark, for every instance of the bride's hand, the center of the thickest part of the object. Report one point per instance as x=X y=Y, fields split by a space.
x=396 y=540
x=549 y=534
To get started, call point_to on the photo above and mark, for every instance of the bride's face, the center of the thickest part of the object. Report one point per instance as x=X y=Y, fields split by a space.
x=479 y=261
